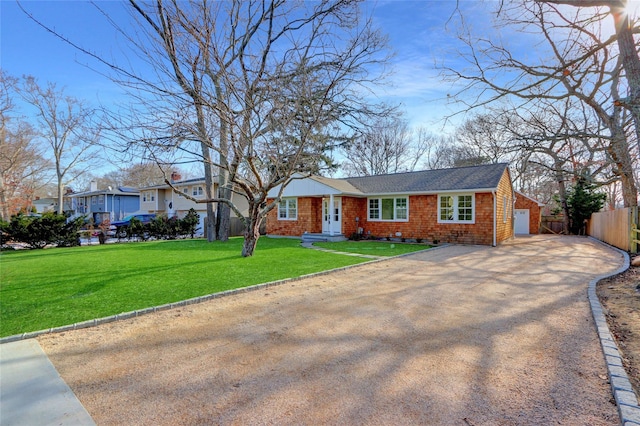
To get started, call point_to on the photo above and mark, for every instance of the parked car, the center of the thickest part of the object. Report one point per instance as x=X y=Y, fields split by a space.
x=118 y=225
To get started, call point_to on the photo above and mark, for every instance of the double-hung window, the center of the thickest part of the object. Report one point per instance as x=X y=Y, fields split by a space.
x=288 y=209
x=456 y=208
x=389 y=209
x=197 y=191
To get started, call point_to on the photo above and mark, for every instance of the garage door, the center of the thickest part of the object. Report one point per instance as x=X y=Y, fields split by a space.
x=522 y=221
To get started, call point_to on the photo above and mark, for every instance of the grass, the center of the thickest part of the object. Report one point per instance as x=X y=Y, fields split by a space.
x=40 y=289
x=376 y=248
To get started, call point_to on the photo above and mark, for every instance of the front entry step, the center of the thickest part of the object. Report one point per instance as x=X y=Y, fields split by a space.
x=314 y=238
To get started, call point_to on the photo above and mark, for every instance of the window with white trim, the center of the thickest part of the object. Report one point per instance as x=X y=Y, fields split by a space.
x=148 y=196
x=197 y=191
x=389 y=209
x=456 y=208
x=288 y=209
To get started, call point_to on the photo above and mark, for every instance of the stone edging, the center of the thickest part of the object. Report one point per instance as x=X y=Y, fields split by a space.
x=626 y=400
x=193 y=301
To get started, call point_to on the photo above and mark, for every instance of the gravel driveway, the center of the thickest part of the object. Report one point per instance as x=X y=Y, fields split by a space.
x=460 y=335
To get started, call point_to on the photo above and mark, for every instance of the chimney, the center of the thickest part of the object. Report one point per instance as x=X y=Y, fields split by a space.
x=175 y=177
x=93 y=186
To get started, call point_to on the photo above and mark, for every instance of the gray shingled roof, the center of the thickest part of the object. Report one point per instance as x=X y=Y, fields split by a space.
x=455 y=179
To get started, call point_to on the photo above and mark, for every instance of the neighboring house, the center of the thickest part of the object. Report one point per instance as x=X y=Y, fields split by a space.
x=527 y=214
x=163 y=200
x=106 y=204
x=469 y=205
x=46 y=204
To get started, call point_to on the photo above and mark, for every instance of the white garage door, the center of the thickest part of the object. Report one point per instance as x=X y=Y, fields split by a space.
x=522 y=221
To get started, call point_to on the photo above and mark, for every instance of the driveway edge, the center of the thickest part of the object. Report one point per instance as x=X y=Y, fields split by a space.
x=192 y=301
x=623 y=393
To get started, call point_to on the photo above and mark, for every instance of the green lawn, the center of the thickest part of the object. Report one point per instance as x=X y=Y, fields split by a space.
x=376 y=248
x=40 y=289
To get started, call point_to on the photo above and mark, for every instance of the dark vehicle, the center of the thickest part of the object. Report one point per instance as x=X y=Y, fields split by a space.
x=118 y=225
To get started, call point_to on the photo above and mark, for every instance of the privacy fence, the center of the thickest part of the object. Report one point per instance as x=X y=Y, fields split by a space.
x=616 y=227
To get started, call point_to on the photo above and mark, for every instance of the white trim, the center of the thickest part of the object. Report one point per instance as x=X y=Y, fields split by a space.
x=455 y=197
x=394 y=198
x=528 y=198
x=286 y=200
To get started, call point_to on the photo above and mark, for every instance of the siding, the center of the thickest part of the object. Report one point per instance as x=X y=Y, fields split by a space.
x=535 y=212
x=423 y=219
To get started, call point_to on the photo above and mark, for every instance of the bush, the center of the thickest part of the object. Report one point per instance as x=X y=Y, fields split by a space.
x=189 y=223
x=583 y=200
x=39 y=231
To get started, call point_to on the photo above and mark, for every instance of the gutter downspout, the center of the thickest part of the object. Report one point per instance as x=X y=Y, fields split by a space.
x=513 y=215
x=495 y=224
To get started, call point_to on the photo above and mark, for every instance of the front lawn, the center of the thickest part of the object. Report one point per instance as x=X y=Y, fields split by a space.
x=40 y=289
x=376 y=248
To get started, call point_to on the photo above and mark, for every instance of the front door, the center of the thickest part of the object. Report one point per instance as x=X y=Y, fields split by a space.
x=332 y=221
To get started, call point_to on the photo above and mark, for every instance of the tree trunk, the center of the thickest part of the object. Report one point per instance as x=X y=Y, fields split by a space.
x=3 y=201
x=251 y=233
x=224 y=186
x=630 y=62
x=621 y=158
x=562 y=193
x=210 y=221
x=223 y=218
x=60 y=195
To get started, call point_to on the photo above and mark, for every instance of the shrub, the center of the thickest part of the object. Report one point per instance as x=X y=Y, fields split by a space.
x=39 y=231
x=189 y=223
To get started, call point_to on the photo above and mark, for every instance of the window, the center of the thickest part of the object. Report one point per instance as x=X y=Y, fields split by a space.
x=288 y=209
x=148 y=196
x=391 y=209
x=100 y=199
x=456 y=208
x=196 y=191
x=185 y=190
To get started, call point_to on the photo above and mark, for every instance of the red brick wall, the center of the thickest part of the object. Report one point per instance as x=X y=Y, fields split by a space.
x=535 y=212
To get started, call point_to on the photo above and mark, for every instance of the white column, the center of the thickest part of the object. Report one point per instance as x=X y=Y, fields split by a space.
x=331 y=208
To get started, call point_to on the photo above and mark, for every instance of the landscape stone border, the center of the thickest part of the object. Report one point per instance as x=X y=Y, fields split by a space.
x=193 y=301
x=623 y=393
x=628 y=408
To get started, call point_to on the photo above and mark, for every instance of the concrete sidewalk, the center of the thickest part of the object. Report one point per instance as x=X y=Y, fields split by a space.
x=31 y=390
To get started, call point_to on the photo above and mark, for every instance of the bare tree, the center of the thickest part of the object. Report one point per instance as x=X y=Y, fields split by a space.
x=625 y=29
x=64 y=123
x=385 y=146
x=21 y=163
x=259 y=90
x=138 y=175
x=580 y=65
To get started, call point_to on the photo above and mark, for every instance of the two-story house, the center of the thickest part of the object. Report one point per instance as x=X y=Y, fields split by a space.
x=162 y=199
x=106 y=204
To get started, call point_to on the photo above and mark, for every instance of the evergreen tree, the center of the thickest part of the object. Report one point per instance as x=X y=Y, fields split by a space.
x=583 y=200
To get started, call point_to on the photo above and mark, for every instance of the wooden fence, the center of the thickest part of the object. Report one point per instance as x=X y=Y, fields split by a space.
x=552 y=225
x=236 y=227
x=616 y=227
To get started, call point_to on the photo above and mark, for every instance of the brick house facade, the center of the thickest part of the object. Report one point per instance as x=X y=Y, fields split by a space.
x=467 y=205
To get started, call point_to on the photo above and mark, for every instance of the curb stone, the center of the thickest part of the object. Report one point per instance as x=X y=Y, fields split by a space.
x=625 y=398
x=200 y=299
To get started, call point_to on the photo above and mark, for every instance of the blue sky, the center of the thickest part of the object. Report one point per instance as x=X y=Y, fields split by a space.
x=418 y=33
